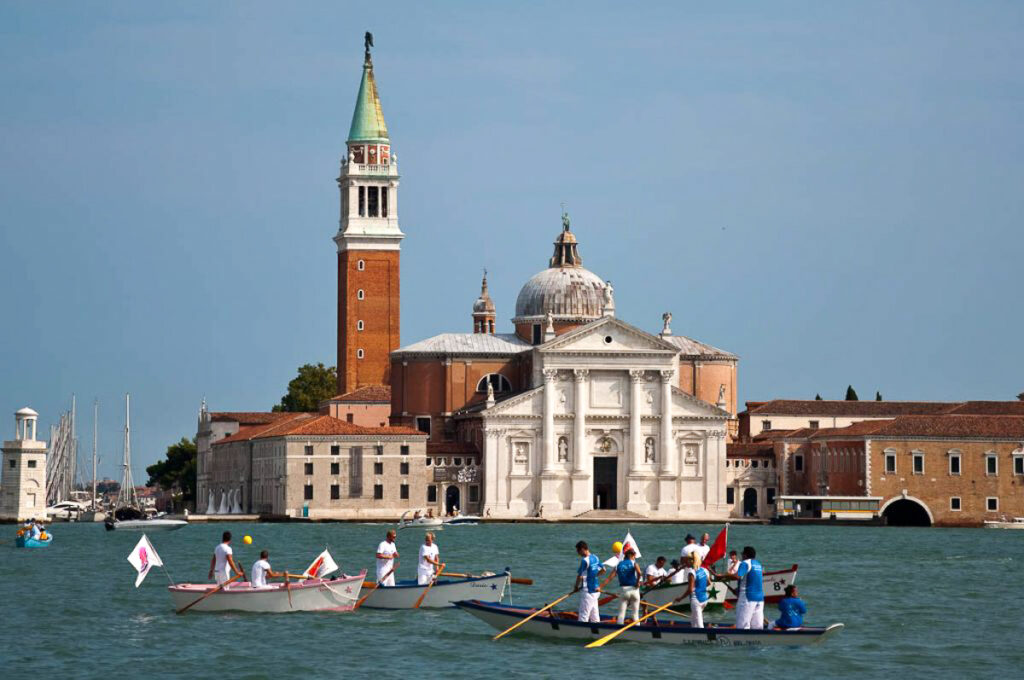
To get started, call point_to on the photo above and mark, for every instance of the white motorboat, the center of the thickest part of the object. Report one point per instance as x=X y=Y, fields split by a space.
x=444 y=593
x=720 y=594
x=422 y=522
x=1017 y=523
x=462 y=520
x=565 y=625
x=154 y=524
x=312 y=595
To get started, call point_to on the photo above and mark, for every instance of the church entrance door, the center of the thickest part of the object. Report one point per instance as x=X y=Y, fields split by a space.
x=451 y=500
x=606 y=482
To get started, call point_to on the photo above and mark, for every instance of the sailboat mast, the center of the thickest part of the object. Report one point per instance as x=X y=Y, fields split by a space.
x=95 y=439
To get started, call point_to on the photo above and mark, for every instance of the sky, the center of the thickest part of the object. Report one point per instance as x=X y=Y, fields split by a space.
x=832 y=191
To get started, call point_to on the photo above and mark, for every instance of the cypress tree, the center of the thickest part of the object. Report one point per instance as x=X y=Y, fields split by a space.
x=817 y=397
x=851 y=394
x=878 y=396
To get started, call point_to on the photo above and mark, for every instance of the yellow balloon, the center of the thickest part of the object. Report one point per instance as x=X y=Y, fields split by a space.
x=248 y=540
x=617 y=547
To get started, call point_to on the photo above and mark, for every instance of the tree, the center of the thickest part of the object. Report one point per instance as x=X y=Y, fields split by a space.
x=817 y=397
x=851 y=394
x=312 y=385
x=178 y=472
x=878 y=396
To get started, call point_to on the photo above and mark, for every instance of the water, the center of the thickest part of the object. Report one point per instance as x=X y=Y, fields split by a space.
x=916 y=603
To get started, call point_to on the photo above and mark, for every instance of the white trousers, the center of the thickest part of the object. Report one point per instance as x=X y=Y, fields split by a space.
x=590 y=610
x=390 y=580
x=630 y=596
x=424 y=577
x=222 y=575
x=697 y=612
x=749 y=614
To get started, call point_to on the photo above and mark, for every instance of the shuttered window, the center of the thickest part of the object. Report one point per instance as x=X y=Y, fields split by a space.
x=355 y=472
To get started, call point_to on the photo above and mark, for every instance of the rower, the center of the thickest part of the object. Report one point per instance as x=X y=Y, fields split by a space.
x=628 y=573
x=677 y=574
x=792 y=608
x=703 y=546
x=35 y=531
x=586 y=579
x=734 y=563
x=223 y=561
x=655 y=573
x=750 y=598
x=387 y=551
x=697 y=589
x=429 y=560
x=690 y=547
x=261 y=571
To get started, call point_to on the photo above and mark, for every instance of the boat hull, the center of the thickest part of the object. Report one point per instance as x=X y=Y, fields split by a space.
x=775 y=583
x=22 y=542
x=563 y=625
x=318 y=595
x=445 y=593
x=145 y=524
x=1004 y=525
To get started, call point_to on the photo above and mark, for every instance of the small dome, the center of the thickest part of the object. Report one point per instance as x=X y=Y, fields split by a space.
x=566 y=292
x=26 y=412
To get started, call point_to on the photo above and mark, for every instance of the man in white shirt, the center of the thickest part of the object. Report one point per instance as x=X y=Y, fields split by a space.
x=387 y=552
x=655 y=573
x=429 y=560
x=677 y=574
x=222 y=563
x=734 y=563
x=261 y=571
x=686 y=553
x=703 y=548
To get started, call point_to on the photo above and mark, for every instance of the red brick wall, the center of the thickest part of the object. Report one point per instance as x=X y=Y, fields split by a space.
x=378 y=310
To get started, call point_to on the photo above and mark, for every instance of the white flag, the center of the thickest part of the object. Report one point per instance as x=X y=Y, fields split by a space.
x=143 y=558
x=323 y=565
x=627 y=542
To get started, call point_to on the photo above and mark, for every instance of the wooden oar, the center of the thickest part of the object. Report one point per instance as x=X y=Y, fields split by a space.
x=215 y=590
x=611 y=636
x=427 y=589
x=288 y=587
x=613 y=596
x=539 y=611
x=375 y=586
x=520 y=581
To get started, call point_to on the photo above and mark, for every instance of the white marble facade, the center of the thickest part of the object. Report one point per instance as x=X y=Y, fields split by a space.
x=604 y=426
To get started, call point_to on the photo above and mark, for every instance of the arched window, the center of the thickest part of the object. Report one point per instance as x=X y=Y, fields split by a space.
x=361 y=265
x=359 y=325
x=359 y=354
x=499 y=382
x=360 y=294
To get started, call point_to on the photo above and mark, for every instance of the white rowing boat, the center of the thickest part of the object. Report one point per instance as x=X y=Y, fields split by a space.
x=144 y=524
x=313 y=595
x=444 y=593
x=719 y=593
x=564 y=625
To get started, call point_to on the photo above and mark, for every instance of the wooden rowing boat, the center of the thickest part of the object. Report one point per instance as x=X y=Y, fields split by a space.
x=29 y=542
x=444 y=593
x=564 y=625
x=313 y=595
x=719 y=594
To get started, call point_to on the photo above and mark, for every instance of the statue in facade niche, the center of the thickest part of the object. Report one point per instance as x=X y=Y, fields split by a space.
x=563 y=450
x=649 y=451
x=522 y=454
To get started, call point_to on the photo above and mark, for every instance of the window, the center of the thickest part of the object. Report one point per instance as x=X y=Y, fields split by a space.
x=349 y=417
x=373 y=202
x=432 y=493
x=770 y=496
x=403 y=492
x=536 y=334
x=405 y=449
x=890 y=462
x=458 y=461
x=309 y=449
x=383 y=201
x=335 y=468
x=378 y=468
x=31 y=463
x=766 y=424
x=474 y=494
x=355 y=472
x=992 y=504
x=991 y=465
x=423 y=424
x=335 y=450
x=13 y=463
x=403 y=467
x=335 y=492
x=378 y=492
x=753 y=463
x=954 y=504
x=918 y=463
x=430 y=461
x=813 y=424
x=798 y=463
x=309 y=468
x=361 y=265
x=362 y=201
x=380 y=450
x=360 y=354
x=307 y=492
x=360 y=325
x=954 y=463
x=360 y=294
x=499 y=382
x=1018 y=465
x=730 y=495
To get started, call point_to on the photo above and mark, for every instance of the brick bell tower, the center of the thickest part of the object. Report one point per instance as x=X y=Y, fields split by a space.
x=368 y=242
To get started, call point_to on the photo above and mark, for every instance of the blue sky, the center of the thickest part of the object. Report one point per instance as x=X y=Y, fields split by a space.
x=830 y=190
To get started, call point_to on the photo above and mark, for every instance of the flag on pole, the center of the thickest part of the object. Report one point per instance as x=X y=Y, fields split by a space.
x=323 y=565
x=627 y=542
x=143 y=558
x=718 y=548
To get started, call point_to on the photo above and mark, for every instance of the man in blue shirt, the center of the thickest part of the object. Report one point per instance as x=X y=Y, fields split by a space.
x=750 y=598
x=586 y=581
x=629 y=575
x=792 y=609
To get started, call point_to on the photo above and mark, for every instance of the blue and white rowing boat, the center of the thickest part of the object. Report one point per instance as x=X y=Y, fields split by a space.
x=445 y=593
x=29 y=542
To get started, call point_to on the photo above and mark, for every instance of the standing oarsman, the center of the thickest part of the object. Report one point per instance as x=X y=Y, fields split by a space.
x=703 y=546
x=261 y=571
x=629 y=574
x=223 y=562
x=688 y=549
x=586 y=580
x=697 y=590
x=750 y=598
x=429 y=561
x=387 y=551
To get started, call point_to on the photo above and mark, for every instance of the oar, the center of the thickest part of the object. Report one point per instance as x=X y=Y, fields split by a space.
x=427 y=589
x=520 y=581
x=539 y=611
x=288 y=587
x=375 y=586
x=611 y=636
x=612 y=596
x=215 y=590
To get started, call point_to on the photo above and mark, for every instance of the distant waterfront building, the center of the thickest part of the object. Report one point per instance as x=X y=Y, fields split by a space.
x=23 y=480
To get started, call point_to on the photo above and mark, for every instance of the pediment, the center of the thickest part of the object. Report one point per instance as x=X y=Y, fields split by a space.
x=527 y=403
x=684 y=405
x=609 y=335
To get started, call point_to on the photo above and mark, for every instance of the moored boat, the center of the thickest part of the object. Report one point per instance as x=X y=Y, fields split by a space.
x=419 y=522
x=1017 y=523
x=313 y=595
x=155 y=524
x=444 y=593
x=29 y=542
x=564 y=625
x=462 y=520
x=719 y=593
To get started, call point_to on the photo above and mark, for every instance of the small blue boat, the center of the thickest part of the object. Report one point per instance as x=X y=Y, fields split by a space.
x=29 y=542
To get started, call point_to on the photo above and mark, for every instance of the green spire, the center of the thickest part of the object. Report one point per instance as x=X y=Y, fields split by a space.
x=367 y=120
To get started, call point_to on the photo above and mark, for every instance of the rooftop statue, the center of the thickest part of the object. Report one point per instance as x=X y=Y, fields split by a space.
x=368 y=43
x=565 y=221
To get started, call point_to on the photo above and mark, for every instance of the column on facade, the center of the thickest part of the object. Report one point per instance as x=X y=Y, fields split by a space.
x=668 y=449
x=636 y=442
x=549 y=420
x=490 y=462
x=580 y=398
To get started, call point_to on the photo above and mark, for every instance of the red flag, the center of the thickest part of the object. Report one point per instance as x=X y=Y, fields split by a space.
x=718 y=548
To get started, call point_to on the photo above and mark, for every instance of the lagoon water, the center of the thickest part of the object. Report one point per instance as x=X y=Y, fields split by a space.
x=916 y=603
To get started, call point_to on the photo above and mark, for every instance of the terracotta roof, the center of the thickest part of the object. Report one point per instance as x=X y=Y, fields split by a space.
x=745 y=450
x=247 y=417
x=313 y=424
x=815 y=407
x=864 y=427
x=954 y=426
x=990 y=408
x=369 y=393
x=244 y=434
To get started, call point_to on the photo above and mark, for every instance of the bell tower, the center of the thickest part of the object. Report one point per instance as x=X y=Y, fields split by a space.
x=368 y=241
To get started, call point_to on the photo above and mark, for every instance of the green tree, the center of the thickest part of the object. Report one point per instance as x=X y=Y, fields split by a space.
x=817 y=397
x=851 y=394
x=312 y=385
x=878 y=396
x=177 y=472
